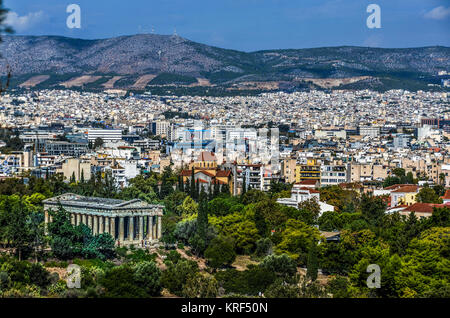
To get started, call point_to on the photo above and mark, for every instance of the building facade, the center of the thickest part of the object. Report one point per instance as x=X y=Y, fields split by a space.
x=128 y=222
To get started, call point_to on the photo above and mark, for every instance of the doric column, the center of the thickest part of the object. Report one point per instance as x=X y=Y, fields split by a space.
x=130 y=228
x=154 y=229
x=72 y=219
x=121 y=229
x=77 y=219
x=112 y=227
x=101 y=224
x=106 y=225
x=159 y=235
x=89 y=221
x=95 y=225
x=150 y=228
x=84 y=219
x=46 y=219
x=141 y=228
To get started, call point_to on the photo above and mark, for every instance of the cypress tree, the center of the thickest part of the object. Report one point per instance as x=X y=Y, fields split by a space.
x=244 y=184
x=187 y=189
x=216 y=189
x=225 y=189
x=312 y=262
x=180 y=183
x=210 y=192
x=197 y=189
x=193 y=196
x=202 y=218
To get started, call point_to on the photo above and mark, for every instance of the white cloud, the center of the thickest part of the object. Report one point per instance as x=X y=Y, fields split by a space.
x=438 y=13
x=22 y=23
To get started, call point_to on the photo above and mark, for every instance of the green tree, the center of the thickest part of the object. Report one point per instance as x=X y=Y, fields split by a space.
x=312 y=262
x=253 y=196
x=220 y=252
x=338 y=287
x=424 y=270
x=119 y=282
x=296 y=239
x=263 y=247
x=428 y=195
x=200 y=286
x=282 y=289
x=15 y=229
x=373 y=208
x=202 y=227
x=193 y=188
x=309 y=211
x=176 y=275
x=281 y=265
x=148 y=276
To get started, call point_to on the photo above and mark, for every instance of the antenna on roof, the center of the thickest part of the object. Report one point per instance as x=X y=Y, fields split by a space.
x=153 y=29
x=175 y=32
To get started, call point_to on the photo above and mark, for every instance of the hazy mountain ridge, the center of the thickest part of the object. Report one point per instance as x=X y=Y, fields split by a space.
x=137 y=55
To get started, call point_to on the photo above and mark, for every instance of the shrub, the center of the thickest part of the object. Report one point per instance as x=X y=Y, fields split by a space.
x=220 y=252
x=176 y=275
x=263 y=247
x=148 y=276
x=281 y=265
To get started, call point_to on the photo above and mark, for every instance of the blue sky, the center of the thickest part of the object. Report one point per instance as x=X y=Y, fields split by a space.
x=247 y=25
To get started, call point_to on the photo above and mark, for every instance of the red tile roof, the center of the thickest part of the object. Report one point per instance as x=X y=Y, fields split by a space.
x=309 y=189
x=308 y=182
x=206 y=173
x=186 y=173
x=424 y=207
x=223 y=173
x=446 y=195
x=395 y=186
x=406 y=189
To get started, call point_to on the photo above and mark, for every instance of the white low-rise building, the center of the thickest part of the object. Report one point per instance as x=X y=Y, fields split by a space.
x=300 y=194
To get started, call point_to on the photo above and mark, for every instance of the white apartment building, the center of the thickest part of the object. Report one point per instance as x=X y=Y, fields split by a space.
x=333 y=175
x=370 y=131
x=330 y=133
x=300 y=194
x=105 y=134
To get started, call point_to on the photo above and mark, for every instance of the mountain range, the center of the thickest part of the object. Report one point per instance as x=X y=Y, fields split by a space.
x=161 y=62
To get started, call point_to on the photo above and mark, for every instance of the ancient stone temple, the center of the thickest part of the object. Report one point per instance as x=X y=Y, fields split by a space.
x=129 y=222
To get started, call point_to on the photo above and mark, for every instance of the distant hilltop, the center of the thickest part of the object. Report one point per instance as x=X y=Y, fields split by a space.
x=161 y=62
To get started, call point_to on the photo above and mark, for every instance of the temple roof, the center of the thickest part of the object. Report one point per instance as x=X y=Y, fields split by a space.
x=72 y=199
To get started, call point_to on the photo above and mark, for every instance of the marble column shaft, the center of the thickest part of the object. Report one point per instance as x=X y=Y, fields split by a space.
x=159 y=227
x=121 y=229
x=130 y=228
x=95 y=225
x=112 y=227
x=141 y=228
x=101 y=225
x=150 y=228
